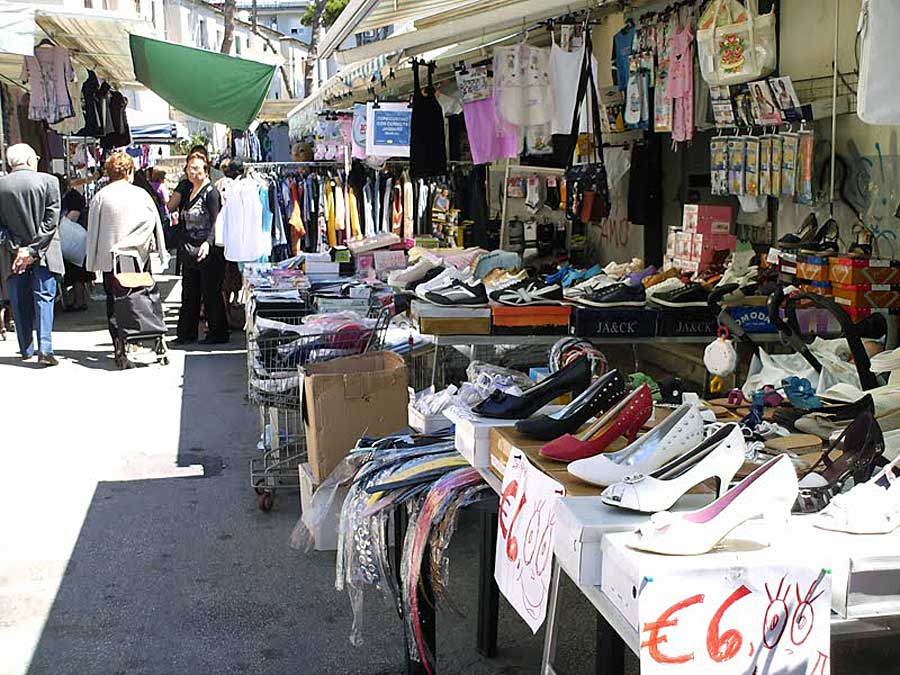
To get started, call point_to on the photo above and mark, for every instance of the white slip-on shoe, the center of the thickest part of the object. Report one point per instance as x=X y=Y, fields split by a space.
x=872 y=507
x=718 y=457
x=674 y=436
x=770 y=492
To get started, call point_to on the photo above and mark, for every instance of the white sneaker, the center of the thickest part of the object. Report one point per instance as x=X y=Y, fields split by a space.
x=718 y=457
x=616 y=270
x=588 y=286
x=872 y=507
x=770 y=492
x=402 y=278
x=674 y=436
x=442 y=280
x=734 y=276
x=664 y=286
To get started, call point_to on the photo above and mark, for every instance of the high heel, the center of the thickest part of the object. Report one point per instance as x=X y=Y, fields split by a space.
x=674 y=436
x=872 y=507
x=601 y=395
x=861 y=444
x=575 y=377
x=718 y=458
x=626 y=417
x=767 y=492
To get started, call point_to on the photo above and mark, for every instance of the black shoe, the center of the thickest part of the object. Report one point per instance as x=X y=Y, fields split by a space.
x=210 y=340
x=47 y=360
x=459 y=294
x=805 y=235
x=575 y=378
x=529 y=293
x=615 y=295
x=689 y=295
x=603 y=393
x=179 y=342
x=429 y=275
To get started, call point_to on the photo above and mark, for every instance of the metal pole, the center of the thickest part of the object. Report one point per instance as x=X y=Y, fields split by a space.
x=2 y=139
x=834 y=81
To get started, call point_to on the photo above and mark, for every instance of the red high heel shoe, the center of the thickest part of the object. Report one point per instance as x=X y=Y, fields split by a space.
x=625 y=419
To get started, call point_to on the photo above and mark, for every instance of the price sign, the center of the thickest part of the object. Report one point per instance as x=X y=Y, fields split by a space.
x=752 y=621
x=526 y=520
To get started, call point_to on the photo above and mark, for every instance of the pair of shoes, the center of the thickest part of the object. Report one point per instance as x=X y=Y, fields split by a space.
x=558 y=275
x=621 y=294
x=717 y=458
x=435 y=279
x=825 y=421
x=872 y=507
x=600 y=396
x=402 y=278
x=211 y=340
x=587 y=286
x=768 y=492
x=680 y=432
x=529 y=292
x=574 y=377
x=624 y=419
x=686 y=295
x=47 y=360
x=458 y=293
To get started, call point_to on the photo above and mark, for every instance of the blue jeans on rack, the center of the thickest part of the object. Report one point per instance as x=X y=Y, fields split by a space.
x=32 y=295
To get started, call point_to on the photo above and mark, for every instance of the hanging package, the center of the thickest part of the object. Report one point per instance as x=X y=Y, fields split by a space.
x=735 y=43
x=878 y=98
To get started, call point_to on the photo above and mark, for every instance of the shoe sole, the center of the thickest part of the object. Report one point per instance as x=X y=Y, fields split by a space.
x=677 y=305
x=601 y=305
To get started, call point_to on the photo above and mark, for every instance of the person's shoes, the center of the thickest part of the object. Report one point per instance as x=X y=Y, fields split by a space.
x=459 y=294
x=443 y=279
x=588 y=286
x=26 y=357
x=211 y=340
x=615 y=295
x=664 y=286
x=529 y=293
x=180 y=342
x=47 y=360
x=402 y=278
x=690 y=295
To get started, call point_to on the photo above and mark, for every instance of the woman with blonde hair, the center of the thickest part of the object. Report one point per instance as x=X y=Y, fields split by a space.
x=122 y=221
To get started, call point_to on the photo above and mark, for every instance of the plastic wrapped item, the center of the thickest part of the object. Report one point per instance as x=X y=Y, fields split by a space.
x=489 y=378
x=466 y=396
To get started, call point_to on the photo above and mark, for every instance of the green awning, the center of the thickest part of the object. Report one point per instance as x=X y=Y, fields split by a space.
x=207 y=85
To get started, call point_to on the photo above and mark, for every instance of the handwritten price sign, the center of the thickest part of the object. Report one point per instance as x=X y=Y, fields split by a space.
x=752 y=621
x=525 y=540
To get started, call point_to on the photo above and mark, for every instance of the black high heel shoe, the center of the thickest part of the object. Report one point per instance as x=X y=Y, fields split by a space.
x=804 y=236
x=599 y=397
x=575 y=378
x=861 y=445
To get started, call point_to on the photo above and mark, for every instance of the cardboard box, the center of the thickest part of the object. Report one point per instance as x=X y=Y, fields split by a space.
x=549 y=320
x=753 y=319
x=427 y=424
x=707 y=219
x=845 y=270
x=326 y=533
x=813 y=268
x=866 y=296
x=817 y=287
x=451 y=326
x=614 y=323
x=705 y=246
x=688 y=322
x=473 y=436
x=384 y=261
x=347 y=397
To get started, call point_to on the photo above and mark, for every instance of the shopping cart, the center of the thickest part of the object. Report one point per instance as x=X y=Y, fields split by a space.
x=277 y=349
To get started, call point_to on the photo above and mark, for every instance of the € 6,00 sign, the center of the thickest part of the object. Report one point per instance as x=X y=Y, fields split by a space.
x=763 y=620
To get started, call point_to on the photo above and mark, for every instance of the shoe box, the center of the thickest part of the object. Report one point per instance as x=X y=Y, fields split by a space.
x=472 y=435
x=707 y=219
x=531 y=320
x=753 y=319
x=614 y=322
x=843 y=270
x=687 y=322
x=867 y=296
x=439 y=320
x=625 y=573
x=812 y=268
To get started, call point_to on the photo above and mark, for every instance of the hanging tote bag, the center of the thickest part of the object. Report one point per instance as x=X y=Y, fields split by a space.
x=878 y=97
x=735 y=44
x=593 y=186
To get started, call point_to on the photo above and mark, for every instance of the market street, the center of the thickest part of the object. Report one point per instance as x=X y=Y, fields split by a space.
x=131 y=542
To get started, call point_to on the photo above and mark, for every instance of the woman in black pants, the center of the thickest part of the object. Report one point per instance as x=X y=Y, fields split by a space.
x=202 y=262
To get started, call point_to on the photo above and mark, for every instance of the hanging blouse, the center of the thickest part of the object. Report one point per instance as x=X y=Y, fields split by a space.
x=48 y=73
x=522 y=90
x=681 y=83
x=427 y=147
x=408 y=213
x=397 y=211
x=331 y=220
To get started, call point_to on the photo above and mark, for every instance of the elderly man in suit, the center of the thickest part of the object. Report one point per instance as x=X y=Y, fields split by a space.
x=29 y=223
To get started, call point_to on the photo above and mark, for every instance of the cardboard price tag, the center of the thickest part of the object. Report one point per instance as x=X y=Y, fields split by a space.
x=768 y=619
x=526 y=523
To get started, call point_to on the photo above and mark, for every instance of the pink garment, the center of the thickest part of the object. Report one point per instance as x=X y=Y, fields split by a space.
x=47 y=74
x=681 y=83
x=490 y=137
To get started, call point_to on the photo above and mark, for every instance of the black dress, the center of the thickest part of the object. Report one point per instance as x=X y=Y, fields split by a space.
x=427 y=148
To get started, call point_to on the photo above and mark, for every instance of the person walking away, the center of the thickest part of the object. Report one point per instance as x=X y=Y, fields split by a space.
x=122 y=221
x=29 y=220
x=202 y=262
x=73 y=235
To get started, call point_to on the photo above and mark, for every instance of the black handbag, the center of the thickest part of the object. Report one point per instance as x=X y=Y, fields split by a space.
x=588 y=184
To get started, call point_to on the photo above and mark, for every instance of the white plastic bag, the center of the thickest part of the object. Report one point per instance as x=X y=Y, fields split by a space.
x=833 y=355
x=735 y=44
x=878 y=98
x=73 y=239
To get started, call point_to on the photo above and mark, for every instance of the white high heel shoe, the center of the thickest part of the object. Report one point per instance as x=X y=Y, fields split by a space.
x=769 y=492
x=675 y=435
x=872 y=507
x=718 y=457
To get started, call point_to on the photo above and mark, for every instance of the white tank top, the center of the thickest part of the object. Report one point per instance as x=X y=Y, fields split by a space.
x=565 y=71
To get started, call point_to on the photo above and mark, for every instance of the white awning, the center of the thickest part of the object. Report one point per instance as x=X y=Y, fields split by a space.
x=462 y=23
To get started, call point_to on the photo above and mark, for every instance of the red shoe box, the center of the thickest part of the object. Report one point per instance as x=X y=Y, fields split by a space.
x=866 y=296
x=531 y=320
x=813 y=268
x=707 y=219
x=864 y=271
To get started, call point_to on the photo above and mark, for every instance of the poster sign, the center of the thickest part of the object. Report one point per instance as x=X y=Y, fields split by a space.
x=527 y=521
x=388 y=129
x=766 y=619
